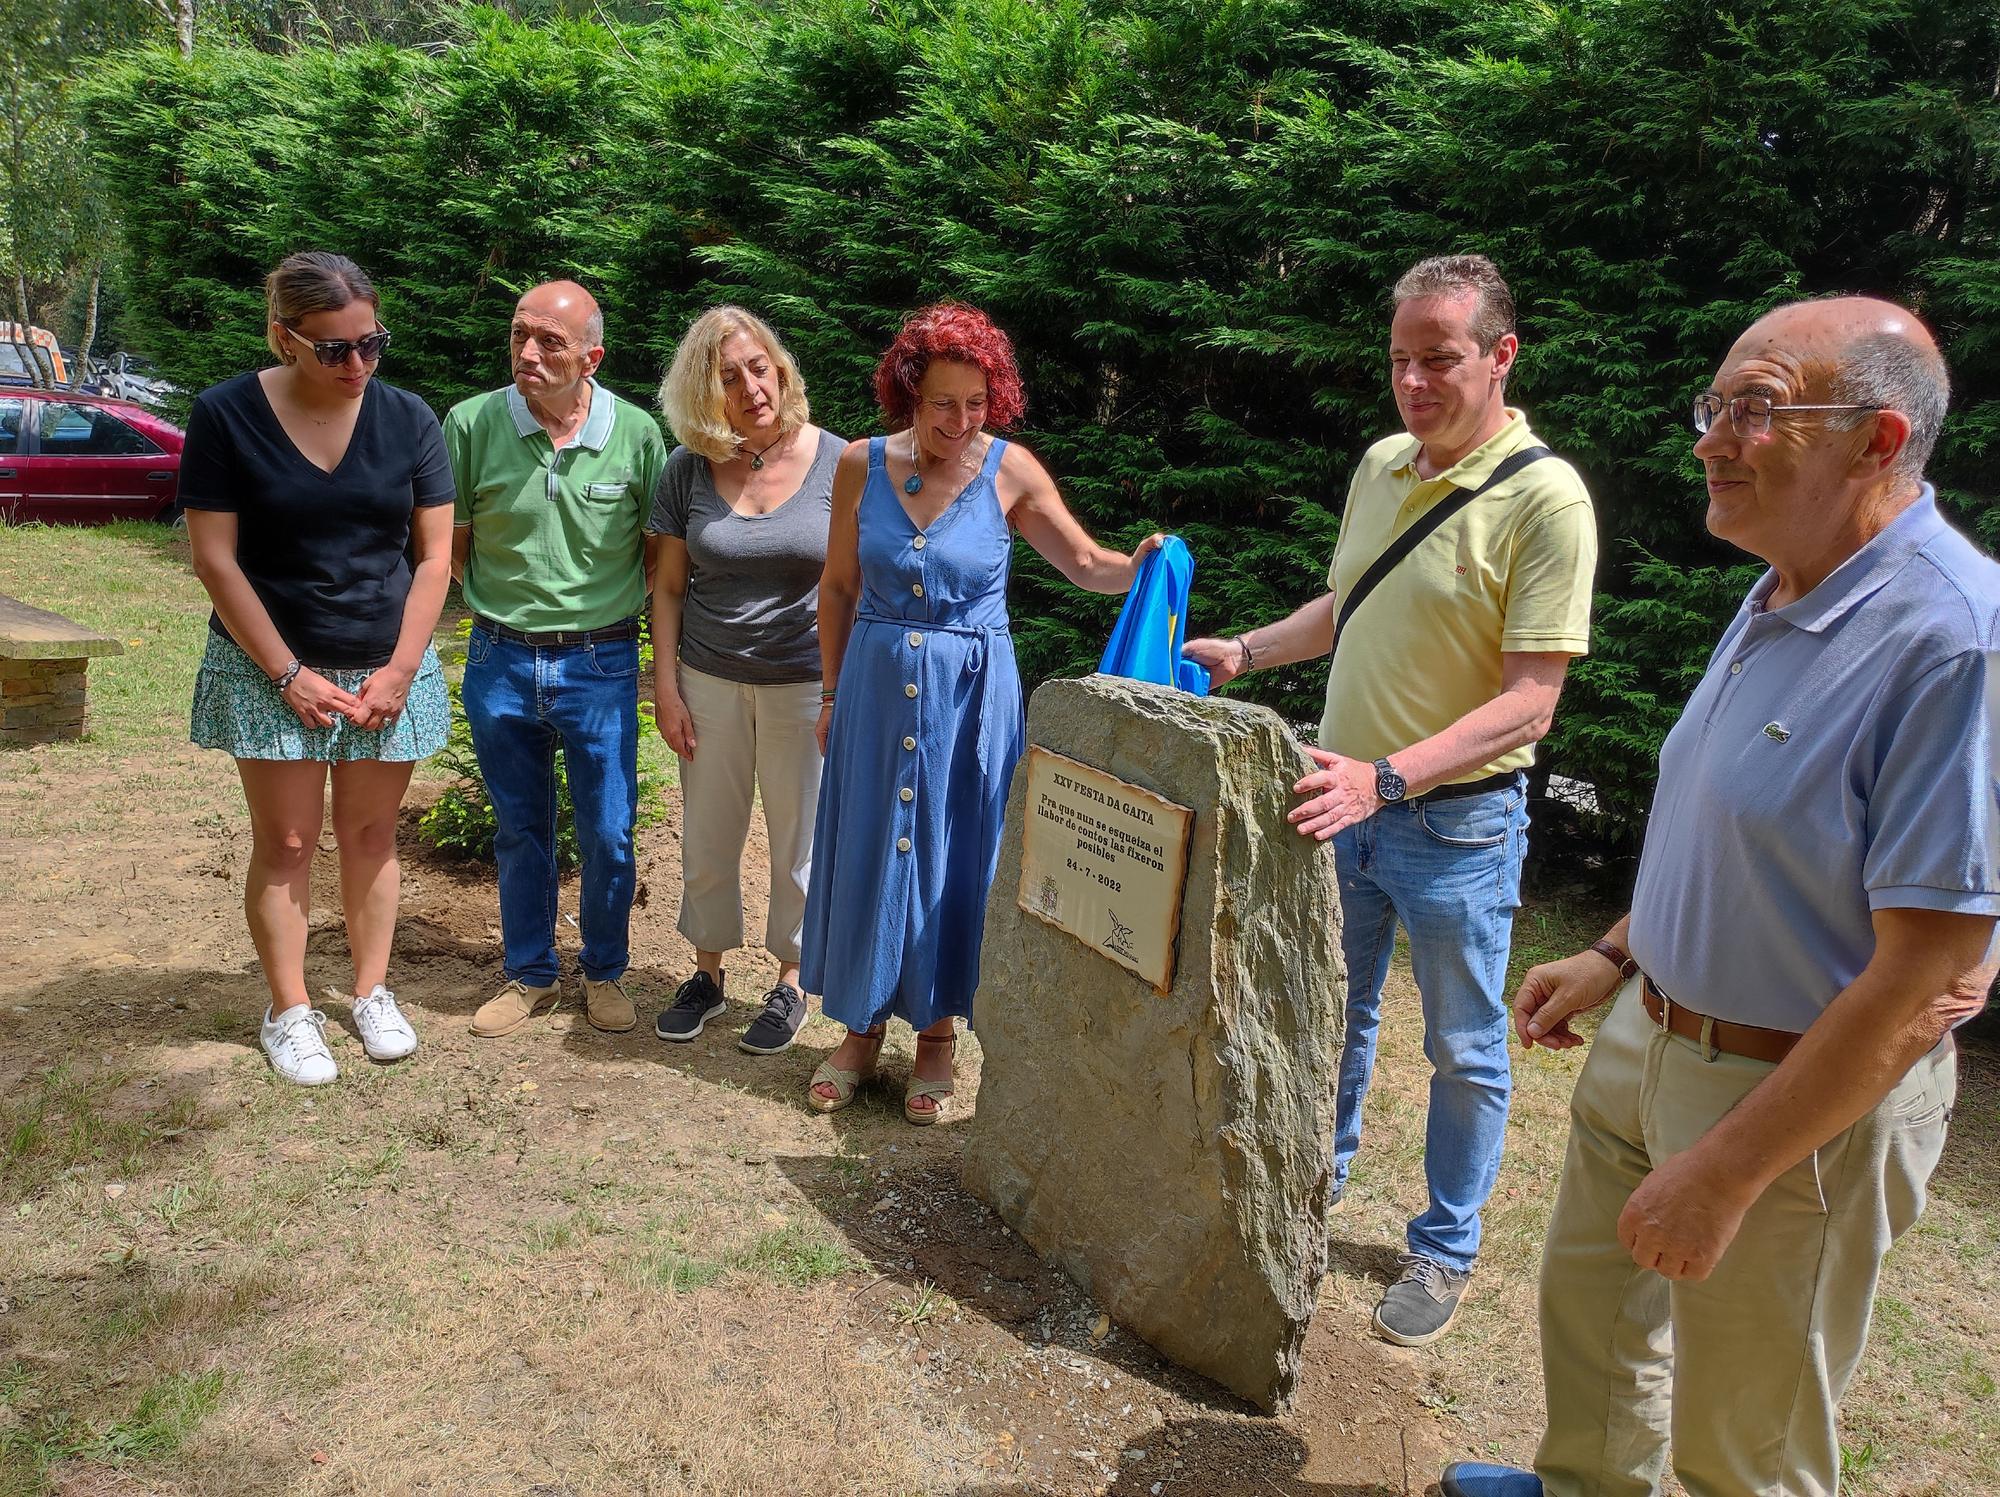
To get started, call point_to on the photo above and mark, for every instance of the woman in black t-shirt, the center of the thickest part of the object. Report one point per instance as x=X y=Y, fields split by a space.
x=319 y=506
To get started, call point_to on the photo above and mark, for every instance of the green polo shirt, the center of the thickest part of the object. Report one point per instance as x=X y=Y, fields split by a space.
x=558 y=538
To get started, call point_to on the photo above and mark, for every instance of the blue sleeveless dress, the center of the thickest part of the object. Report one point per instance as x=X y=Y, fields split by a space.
x=927 y=728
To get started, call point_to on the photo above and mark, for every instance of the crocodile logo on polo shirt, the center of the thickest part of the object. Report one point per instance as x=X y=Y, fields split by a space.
x=1777 y=732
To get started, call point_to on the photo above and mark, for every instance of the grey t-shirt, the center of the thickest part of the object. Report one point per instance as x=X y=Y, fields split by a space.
x=751 y=613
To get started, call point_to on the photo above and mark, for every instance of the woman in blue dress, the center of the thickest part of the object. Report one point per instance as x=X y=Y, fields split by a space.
x=921 y=721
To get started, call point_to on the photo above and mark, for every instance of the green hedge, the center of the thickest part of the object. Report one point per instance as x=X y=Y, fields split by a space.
x=1187 y=214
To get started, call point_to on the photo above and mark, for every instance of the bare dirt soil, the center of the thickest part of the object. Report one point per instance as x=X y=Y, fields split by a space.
x=566 y=1263
x=560 y=1262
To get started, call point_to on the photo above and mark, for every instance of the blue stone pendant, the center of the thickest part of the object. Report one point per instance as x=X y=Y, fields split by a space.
x=914 y=482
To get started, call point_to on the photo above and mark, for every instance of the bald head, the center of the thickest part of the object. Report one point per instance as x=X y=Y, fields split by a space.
x=569 y=304
x=1867 y=352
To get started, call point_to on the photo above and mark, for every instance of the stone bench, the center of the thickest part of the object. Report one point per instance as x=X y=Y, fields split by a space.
x=43 y=661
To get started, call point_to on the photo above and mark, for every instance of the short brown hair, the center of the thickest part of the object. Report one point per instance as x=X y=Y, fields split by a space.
x=1454 y=275
x=312 y=281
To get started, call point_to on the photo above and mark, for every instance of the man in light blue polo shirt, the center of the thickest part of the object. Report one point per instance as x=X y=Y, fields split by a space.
x=1763 y=1106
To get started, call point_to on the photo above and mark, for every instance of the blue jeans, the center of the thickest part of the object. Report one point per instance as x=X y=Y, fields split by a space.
x=1450 y=872
x=521 y=701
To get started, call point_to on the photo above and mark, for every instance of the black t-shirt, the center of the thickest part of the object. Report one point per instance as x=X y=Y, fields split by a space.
x=329 y=553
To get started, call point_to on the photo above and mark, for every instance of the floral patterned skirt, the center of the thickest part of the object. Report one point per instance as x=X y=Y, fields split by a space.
x=237 y=709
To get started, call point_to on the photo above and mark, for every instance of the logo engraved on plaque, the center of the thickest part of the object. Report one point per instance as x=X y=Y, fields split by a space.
x=1049 y=897
x=1120 y=939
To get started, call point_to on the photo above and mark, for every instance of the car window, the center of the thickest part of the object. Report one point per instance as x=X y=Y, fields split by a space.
x=10 y=427
x=88 y=431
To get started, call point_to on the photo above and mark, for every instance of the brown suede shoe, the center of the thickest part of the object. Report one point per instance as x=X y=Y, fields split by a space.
x=511 y=1007
x=607 y=1007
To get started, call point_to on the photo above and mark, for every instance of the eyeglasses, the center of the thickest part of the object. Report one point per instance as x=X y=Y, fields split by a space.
x=334 y=351
x=1751 y=415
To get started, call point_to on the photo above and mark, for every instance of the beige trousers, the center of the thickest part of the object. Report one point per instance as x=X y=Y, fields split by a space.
x=1742 y=1372
x=748 y=740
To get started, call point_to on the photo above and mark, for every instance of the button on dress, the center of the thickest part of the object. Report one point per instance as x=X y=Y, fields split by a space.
x=927 y=728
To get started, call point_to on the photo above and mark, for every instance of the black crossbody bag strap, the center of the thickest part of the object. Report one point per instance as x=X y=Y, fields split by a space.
x=1414 y=537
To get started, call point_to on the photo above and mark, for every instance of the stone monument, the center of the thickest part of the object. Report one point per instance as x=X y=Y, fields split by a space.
x=1160 y=1002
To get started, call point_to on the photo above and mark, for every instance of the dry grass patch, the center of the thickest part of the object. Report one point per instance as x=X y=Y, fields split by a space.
x=567 y=1264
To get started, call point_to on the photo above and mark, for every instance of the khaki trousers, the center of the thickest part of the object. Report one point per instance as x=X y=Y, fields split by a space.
x=1744 y=1370
x=749 y=740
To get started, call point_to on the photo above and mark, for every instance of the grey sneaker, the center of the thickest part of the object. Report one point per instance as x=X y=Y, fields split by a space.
x=774 y=1029
x=1420 y=1305
x=696 y=1001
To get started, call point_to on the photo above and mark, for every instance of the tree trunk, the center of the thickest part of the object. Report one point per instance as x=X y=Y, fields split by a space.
x=184 y=27
x=76 y=375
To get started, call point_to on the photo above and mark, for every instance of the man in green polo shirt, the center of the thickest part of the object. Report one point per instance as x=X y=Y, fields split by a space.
x=1444 y=677
x=555 y=477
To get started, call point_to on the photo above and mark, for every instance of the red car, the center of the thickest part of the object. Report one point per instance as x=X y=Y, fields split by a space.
x=74 y=459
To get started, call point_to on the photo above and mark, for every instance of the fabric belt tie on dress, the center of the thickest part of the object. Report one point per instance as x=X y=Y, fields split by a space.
x=983 y=639
x=1749 y=1041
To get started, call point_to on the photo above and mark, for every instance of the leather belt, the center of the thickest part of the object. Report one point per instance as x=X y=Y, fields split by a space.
x=623 y=629
x=1505 y=780
x=1749 y=1041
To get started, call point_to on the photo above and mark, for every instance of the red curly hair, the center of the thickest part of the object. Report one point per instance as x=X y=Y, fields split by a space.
x=951 y=331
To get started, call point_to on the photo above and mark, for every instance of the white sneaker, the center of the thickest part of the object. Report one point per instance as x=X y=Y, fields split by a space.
x=385 y=1033
x=296 y=1043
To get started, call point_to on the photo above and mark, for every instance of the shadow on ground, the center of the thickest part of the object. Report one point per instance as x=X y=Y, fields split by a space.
x=1233 y=1459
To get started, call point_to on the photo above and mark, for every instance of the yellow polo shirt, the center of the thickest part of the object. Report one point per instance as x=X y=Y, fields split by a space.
x=1509 y=572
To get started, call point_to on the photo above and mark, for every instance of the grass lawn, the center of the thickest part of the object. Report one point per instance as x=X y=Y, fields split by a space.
x=580 y=1264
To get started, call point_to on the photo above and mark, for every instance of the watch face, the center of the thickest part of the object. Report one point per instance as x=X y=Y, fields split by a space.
x=1388 y=784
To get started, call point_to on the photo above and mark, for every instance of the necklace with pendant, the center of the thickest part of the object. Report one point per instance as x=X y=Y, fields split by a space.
x=914 y=484
x=757 y=457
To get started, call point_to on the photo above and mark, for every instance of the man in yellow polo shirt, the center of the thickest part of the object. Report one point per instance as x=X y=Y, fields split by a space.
x=1445 y=674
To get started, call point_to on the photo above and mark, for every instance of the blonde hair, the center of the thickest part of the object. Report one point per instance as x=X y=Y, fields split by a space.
x=691 y=394
x=308 y=282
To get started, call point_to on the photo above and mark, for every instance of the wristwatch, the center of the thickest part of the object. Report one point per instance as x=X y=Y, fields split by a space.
x=1619 y=959
x=1391 y=786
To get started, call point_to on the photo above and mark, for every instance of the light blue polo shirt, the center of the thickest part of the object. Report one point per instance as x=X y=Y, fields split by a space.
x=1838 y=757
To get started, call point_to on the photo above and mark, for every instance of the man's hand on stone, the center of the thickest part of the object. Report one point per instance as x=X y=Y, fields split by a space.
x=1221 y=658
x=1682 y=1218
x=1341 y=792
x=1551 y=994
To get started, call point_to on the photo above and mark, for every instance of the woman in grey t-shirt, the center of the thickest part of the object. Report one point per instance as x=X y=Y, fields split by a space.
x=741 y=512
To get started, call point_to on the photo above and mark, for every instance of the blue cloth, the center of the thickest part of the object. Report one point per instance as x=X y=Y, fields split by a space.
x=521 y=702
x=1450 y=872
x=1838 y=757
x=1146 y=642
x=927 y=726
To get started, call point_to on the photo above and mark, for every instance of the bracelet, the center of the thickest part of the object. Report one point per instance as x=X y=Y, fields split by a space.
x=287 y=676
x=826 y=699
x=1249 y=659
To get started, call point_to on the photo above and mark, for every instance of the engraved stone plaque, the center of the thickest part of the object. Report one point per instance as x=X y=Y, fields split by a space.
x=1105 y=861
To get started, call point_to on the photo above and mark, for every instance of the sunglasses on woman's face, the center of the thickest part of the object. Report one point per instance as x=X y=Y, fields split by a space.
x=334 y=351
